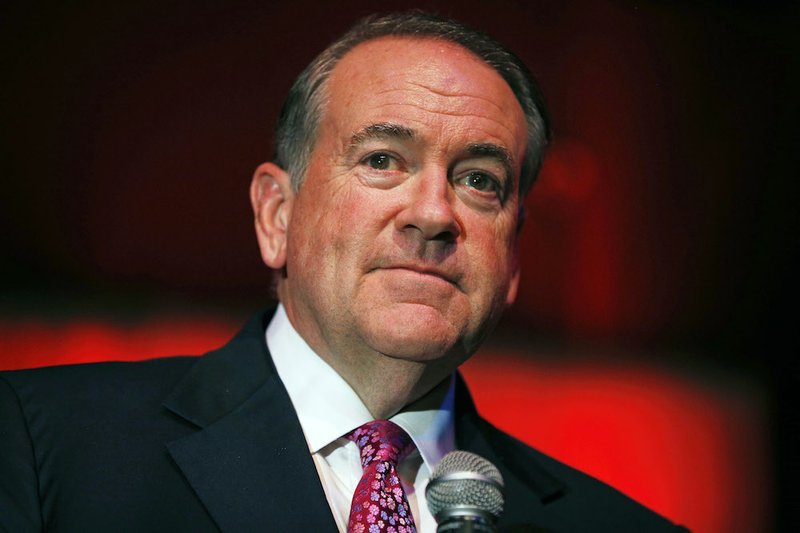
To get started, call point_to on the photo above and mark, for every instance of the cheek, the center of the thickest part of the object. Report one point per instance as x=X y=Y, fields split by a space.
x=309 y=240
x=494 y=243
x=330 y=233
x=492 y=260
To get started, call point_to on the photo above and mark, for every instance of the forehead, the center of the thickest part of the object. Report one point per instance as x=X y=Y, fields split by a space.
x=424 y=82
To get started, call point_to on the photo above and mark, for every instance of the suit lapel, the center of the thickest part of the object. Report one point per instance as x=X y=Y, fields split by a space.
x=248 y=462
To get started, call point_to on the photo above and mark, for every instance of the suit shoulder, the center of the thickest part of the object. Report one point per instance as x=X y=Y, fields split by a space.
x=582 y=502
x=110 y=369
x=68 y=385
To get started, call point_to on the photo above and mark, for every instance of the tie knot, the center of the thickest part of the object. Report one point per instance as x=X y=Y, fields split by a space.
x=381 y=440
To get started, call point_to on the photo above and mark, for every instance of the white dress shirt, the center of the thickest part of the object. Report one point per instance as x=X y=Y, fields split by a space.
x=328 y=409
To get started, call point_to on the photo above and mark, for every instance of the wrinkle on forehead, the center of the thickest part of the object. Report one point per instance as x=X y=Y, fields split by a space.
x=465 y=93
x=451 y=111
x=447 y=94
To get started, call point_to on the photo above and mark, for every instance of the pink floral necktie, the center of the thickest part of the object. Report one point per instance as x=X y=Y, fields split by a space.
x=380 y=503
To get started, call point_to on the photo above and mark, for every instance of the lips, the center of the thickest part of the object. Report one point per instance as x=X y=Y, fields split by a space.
x=425 y=270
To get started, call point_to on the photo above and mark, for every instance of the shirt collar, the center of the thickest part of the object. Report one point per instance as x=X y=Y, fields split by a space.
x=328 y=407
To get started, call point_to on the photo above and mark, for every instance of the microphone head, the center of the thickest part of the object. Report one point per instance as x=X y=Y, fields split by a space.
x=464 y=484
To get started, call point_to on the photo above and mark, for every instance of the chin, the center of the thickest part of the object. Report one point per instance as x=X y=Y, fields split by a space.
x=417 y=344
x=414 y=332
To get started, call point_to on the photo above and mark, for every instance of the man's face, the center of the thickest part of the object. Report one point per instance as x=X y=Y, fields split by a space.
x=402 y=239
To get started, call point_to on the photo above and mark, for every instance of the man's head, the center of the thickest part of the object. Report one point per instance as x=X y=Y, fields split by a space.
x=399 y=250
x=300 y=116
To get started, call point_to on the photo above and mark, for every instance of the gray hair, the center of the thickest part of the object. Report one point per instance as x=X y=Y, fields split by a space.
x=298 y=124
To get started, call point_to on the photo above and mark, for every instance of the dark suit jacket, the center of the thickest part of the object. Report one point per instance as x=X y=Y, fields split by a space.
x=213 y=443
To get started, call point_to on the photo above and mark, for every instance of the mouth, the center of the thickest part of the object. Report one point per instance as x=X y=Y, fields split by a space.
x=425 y=272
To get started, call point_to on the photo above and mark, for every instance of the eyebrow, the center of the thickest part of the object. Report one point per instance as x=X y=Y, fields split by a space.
x=382 y=130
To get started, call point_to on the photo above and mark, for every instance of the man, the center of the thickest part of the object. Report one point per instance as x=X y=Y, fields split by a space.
x=391 y=214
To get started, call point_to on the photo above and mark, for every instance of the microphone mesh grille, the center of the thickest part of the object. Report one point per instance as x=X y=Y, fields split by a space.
x=444 y=494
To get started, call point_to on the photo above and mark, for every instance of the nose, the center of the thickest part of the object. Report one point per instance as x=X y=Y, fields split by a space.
x=429 y=209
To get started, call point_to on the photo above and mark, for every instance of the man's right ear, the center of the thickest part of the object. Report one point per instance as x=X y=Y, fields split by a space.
x=272 y=198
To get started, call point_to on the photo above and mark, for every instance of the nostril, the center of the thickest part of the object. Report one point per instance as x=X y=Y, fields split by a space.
x=433 y=220
x=434 y=229
x=444 y=236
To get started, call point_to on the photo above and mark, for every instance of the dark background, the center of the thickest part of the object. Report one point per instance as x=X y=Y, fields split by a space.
x=666 y=219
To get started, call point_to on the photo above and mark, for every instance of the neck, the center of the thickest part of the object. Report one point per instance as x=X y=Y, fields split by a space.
x=387 y=384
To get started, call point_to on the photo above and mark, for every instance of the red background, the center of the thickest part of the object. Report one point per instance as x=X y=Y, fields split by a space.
x=657 y=311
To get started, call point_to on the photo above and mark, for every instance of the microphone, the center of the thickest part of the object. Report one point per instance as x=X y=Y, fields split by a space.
x=465 y=494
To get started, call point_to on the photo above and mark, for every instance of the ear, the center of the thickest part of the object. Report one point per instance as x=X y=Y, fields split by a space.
x=511 y=295
x=272 y=198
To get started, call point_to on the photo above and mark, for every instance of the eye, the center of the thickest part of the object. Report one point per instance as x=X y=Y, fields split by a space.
x=482 y=182
x=380 y=161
